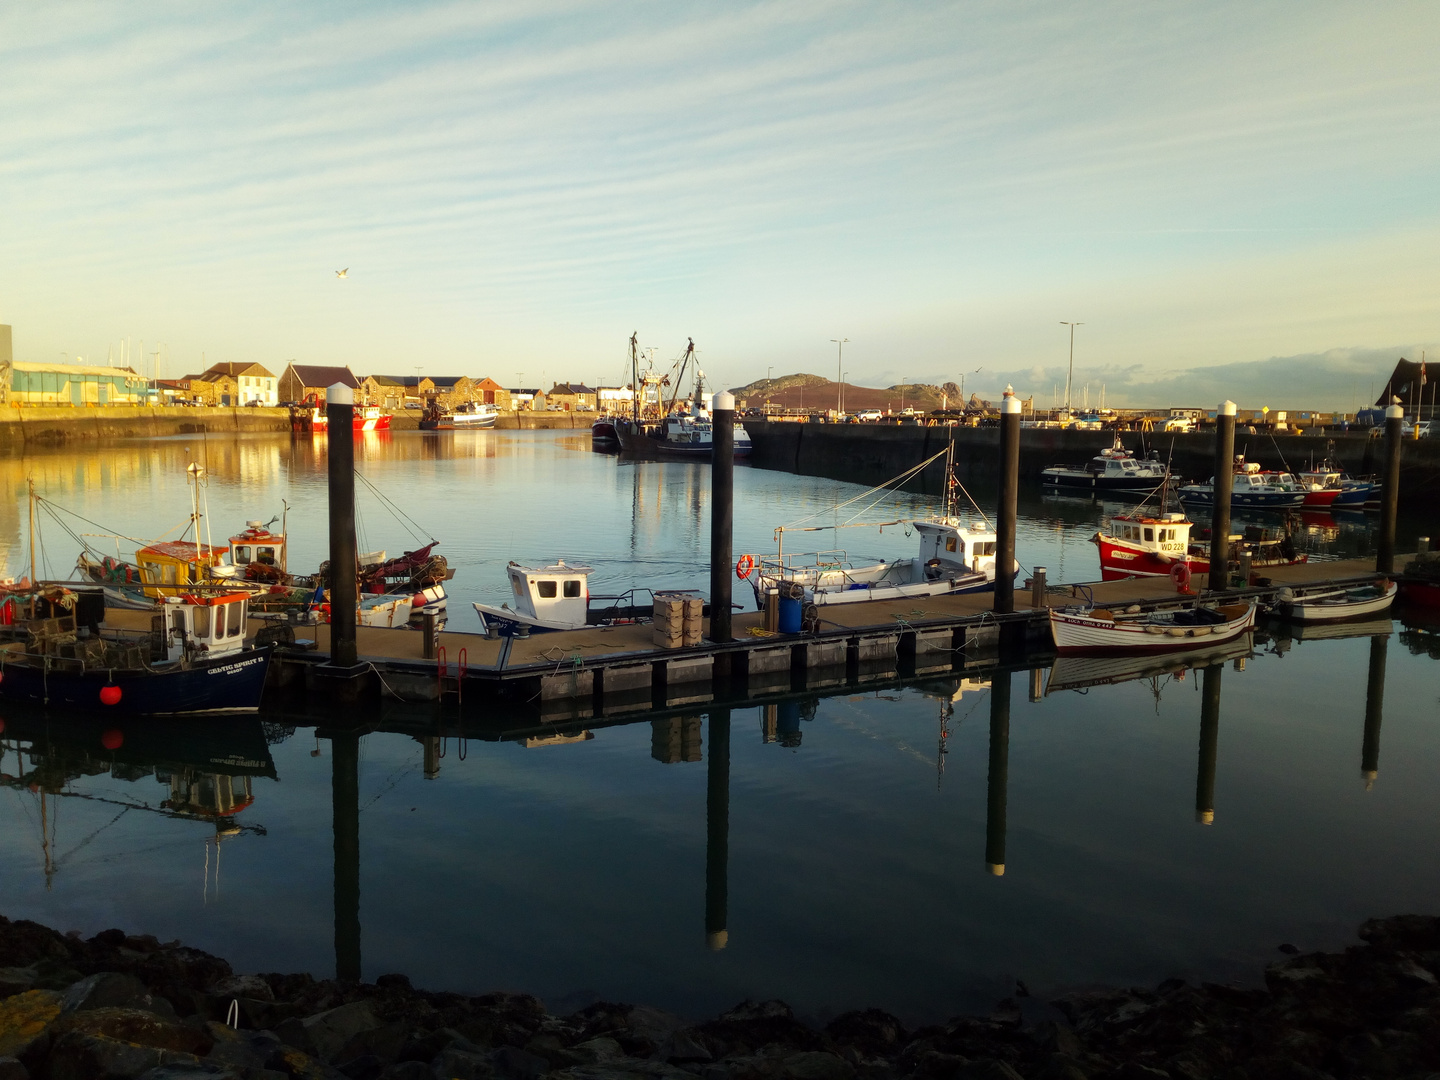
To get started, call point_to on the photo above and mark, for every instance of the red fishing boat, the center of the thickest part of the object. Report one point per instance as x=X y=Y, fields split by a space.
x=1140 y=544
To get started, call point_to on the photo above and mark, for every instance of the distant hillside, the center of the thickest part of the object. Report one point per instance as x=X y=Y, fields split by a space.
x=803 y=391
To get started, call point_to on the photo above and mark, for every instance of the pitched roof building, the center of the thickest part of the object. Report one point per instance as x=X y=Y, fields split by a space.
x=302 y=380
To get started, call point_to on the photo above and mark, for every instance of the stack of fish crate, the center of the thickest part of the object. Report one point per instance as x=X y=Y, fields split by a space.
x=677 y=620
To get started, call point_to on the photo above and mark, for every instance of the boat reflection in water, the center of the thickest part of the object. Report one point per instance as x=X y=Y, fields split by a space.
x=208 y=768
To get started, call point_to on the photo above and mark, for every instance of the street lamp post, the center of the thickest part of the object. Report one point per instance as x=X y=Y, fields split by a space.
x=1070 y=374
x=839 y=359
x=843 y=377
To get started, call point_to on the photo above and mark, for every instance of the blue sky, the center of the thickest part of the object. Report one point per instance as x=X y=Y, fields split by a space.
x=517 y=187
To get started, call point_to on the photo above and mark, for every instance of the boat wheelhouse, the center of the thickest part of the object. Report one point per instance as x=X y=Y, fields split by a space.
x=1151 y=545
x=555 y=597
x=1112 y=470
x=259 y=554
x=167 y=567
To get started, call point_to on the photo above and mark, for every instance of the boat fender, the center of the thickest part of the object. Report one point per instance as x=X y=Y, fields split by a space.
x=1201 y=631
x=745 y=567
x=1154 y=629
x=110 y=695
x=1176 y=631
x=1133 y=609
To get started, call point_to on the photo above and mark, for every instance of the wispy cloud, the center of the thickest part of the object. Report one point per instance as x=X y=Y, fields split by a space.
x=515 y=180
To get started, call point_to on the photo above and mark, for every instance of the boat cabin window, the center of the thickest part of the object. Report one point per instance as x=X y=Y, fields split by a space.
x=243 y=554
x=546 y=589
x=1150 y=534
x=519 y=587
x=202 y=622
x=572 y=588
x=950 y=543
x=236 y=618
x=984 y=547
x=265 y=556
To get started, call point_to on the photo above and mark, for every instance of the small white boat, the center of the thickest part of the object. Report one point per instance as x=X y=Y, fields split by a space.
x=553 y=597
x=952 y=559
x=1336 y=605
x=472 y=415
x=1096 y=632
x=384 y=609
x=1077 y=672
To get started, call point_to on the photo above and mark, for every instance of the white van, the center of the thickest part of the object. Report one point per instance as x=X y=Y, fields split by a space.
x=868 y=414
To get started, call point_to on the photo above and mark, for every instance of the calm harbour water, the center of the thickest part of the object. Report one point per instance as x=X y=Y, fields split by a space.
x=857 y=853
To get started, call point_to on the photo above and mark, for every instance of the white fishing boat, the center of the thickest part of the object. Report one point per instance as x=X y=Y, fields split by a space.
x=1097 y=631
x=953 y=558
x=555 y=597
x=1112 y=471
x=1336 y=605
x=385 y=609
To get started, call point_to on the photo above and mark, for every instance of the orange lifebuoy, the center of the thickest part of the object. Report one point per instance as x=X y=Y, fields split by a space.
x=1180 y=574
x=745 y=566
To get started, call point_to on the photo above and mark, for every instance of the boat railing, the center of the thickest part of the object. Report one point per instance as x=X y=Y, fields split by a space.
x=620 y=607
x=806 y=563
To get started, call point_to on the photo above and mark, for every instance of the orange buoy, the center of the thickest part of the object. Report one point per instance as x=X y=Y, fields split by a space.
x=110 y=695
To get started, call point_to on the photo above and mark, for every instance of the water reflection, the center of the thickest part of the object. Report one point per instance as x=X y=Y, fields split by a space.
x=717 y=832
x=998 y=778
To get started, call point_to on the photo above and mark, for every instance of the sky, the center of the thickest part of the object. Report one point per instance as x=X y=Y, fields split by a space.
x=1224 y=194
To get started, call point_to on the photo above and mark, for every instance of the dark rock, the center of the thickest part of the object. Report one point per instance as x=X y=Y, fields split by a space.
x=326 y=1034
x=24 y=943
x=16 y=980
x=987 y=1069
x=394 y=982
x=1288 y=949
x=137 y=1027
x=1056 y=1037
x=11 y=1069
x=254 y=987
x=24 y=1019
x=456 y=1063
x=517 y=1064
x=363 y=1067
x=748 y=1011
x=1059 y=1067
x=408 y=1070
x=874 y=1032
x=685 y=1045
x=818 y=1065
x=1411 y=933
x=83 y=1055
x=110 y=989
x=196 y=1072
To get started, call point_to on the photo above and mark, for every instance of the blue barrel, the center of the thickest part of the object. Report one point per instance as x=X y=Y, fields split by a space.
x=790 y=613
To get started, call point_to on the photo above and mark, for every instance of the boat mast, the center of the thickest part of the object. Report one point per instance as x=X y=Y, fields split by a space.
x=31 y=483
x=635 y=378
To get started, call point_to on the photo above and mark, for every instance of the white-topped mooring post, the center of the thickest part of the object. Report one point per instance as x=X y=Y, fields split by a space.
x=1389 y=491
x=343 y=587
x=722 y=503
x=1009 y=503
x=1222 y=486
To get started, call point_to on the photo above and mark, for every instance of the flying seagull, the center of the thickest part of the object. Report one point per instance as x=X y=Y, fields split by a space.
x=342 y=273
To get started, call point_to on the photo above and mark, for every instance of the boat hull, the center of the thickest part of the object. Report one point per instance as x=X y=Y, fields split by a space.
x=1338 y=607
x=1078 y=480
x=227 y=684
x=1420 y=592
x=638 y=444
x=1085 y=635
x=1259 y=500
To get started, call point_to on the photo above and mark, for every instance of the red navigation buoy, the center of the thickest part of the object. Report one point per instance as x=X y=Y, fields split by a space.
x=110 y=695
x=112 y=738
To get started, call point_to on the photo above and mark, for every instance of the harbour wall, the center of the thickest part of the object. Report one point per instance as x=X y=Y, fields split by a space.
x=33 y=426
x=873 y=453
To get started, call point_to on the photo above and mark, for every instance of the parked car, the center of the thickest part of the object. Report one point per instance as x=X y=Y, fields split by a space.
x=868 y=414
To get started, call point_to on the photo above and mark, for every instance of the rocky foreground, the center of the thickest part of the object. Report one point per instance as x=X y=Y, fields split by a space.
x=117 y=1006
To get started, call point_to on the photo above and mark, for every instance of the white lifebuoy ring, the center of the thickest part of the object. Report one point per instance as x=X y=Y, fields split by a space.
x=1180 y=574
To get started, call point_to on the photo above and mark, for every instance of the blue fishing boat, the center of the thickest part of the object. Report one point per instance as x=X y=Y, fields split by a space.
x=193 y=659
x=1250 y=487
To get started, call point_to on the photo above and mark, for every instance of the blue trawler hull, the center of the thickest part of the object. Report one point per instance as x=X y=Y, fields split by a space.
x=227 y=684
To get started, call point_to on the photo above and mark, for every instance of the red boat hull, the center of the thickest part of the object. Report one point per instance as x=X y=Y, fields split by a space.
x=1423 y=594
